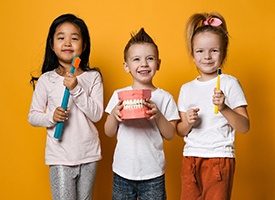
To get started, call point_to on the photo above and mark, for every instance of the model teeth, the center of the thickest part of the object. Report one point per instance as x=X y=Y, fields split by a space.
x=133 y=104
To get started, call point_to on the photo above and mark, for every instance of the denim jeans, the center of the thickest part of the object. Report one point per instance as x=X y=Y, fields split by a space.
x=152 y=189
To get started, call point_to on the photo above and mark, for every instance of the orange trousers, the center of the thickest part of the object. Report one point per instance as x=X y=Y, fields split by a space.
x=207 y=178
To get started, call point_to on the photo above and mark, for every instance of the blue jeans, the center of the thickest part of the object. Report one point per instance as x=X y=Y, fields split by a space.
x=152 y=189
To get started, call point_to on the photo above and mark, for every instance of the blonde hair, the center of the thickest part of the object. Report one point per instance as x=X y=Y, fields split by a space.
x=195 y=25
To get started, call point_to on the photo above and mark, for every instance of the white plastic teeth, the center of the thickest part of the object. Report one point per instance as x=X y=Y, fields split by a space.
x=133 y=104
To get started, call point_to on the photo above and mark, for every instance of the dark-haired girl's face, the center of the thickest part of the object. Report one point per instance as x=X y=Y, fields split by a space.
x=67 y=43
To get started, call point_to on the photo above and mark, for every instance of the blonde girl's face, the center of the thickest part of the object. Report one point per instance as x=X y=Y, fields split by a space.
x=67 y=43
x=207 y=54
x=142 y=62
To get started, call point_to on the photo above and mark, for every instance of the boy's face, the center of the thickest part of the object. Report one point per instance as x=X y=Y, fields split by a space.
x=142 y=62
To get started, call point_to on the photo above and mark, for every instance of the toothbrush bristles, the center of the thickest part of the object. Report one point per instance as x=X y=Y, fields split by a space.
x=219 y=71
x=76 y=62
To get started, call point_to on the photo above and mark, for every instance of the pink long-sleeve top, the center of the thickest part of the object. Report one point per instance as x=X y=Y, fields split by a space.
x=80 y=141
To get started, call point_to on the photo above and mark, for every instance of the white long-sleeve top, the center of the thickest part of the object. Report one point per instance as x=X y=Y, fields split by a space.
x=80 y=142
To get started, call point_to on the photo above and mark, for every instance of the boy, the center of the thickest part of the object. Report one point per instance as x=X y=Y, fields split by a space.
x=139 y=161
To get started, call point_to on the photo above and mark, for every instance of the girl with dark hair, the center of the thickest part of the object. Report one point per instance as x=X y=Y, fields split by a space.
x=73 y=159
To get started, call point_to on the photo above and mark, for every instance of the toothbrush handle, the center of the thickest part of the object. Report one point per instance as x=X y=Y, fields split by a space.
x=216 y=109
x=64 y=104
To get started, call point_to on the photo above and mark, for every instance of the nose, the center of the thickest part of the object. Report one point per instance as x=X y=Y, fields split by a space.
x=144 y=63
x=68 y=42
x=207 y=56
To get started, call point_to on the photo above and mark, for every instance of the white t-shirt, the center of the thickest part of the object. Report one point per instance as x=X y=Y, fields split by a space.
x=211 y=136
x=139 y=153
x=80 y=142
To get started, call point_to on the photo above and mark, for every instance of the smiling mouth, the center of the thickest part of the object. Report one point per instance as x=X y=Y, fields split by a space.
x=208 y=63
x=67 y=50
x=144 y=72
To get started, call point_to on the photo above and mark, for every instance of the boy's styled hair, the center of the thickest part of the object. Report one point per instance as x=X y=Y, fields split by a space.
x=139 y=38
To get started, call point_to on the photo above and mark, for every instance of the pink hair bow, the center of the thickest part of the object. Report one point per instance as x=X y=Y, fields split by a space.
x=213 y=21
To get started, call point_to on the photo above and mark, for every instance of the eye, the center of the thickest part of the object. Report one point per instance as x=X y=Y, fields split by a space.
x=199 y=51
x=151 y=58
x=135 y=59
x=60 y=38
x=75 y=38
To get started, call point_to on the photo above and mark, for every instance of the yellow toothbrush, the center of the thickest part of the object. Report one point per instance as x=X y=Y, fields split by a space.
x=216 y=110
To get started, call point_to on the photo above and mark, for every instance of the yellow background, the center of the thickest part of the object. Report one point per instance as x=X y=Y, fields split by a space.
x=24 y=28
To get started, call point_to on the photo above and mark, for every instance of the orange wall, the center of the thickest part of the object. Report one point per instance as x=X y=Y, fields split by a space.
x=251 y=59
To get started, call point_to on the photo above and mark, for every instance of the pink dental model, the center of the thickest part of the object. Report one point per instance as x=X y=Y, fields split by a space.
x=133 y=103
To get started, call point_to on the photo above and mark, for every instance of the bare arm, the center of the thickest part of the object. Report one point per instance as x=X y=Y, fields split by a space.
x=237 y=118
x=166 y=128
x=188 y=119
x=111 y=124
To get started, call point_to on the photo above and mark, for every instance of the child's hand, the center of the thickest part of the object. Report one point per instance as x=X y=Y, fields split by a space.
x=60 y=115
x=192 y=116
x=70 y=81
x=116 y=111
x=218 y=99
x=154 y=111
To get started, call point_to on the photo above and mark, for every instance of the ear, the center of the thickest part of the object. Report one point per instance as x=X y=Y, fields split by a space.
x=51 y=44
x=126 y=68
x=84 y=47
x=159 y=62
